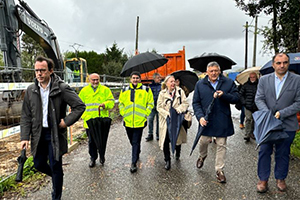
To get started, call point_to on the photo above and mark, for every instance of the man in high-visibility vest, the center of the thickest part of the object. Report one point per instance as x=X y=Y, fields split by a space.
x=95 y=96
x=76 y=74
x=135 y=105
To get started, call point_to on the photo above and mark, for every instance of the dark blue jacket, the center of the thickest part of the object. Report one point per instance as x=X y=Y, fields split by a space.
x=219 y=120
x=155 y=87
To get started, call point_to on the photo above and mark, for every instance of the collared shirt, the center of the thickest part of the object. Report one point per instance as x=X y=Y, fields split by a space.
x=214 y=85
x=45 y=99
x=279 y=83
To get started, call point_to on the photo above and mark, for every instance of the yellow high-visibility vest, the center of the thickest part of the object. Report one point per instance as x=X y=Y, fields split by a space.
x=135 y=105
x=93 y=99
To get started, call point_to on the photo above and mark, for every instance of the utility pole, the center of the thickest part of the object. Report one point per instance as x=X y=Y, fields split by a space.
x=254 y=45
x=76 y=49
x=137 y=36
x=246 y=46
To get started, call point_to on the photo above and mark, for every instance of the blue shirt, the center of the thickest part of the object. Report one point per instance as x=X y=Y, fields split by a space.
x=214 y=85
x=279 y=83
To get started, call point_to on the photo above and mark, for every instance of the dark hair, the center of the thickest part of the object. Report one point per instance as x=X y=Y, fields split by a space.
x=49 y=61
x=279 y=54
x=135 y=73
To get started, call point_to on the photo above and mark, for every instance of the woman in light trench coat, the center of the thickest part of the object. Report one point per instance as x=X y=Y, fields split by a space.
x=174 y=96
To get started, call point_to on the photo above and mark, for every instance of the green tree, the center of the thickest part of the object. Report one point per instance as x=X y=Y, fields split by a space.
x=30 y=50
x=284 y=33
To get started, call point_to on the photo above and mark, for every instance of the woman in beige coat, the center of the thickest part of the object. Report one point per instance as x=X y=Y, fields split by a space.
x=174 y=96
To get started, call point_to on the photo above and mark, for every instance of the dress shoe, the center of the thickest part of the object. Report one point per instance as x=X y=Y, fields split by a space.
x=200 y=162
x=168 y=165
x=262 y=186
x=92 y=163
x=149 y=138
x=242 y=126
x=133 y=168
x=221 y=177
x=247 y=139
x=102 y=161
x=281 y=185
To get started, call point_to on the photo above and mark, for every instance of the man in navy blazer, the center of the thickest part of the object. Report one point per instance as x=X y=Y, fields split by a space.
x=280 y=93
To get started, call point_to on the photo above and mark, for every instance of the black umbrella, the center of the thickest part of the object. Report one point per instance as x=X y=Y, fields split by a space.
x=201 y=128
x=294 y=64
x=174 y=123
x=99 y=129
x=186 y=78
x=200 y=62
x=143 y=63
x=267 y=128
x=21 y=161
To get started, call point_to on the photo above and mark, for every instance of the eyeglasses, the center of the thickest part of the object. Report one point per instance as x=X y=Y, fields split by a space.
x=40 y=70
x=94 y=79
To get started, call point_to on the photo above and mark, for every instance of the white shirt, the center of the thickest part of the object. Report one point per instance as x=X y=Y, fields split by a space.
x=45 y=99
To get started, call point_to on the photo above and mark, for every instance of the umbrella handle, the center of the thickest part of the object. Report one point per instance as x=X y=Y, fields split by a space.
x=99 y=111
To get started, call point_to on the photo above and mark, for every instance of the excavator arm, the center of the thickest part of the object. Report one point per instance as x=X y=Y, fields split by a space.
x=14 y=18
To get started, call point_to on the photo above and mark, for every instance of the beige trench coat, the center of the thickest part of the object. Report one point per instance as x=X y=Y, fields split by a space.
x=163 y=107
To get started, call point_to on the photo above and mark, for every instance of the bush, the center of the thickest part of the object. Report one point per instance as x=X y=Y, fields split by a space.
x=295 y=147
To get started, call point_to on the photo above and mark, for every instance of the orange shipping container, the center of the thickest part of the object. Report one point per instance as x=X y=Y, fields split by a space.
x=176 y=61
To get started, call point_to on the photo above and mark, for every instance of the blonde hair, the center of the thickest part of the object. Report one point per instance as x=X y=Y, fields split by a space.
x=164 y=83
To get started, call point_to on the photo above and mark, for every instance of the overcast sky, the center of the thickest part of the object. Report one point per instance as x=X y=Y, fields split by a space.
x=165 y=25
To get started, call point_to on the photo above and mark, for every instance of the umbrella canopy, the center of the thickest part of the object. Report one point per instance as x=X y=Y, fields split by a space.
x=244 y=75
x=294 y=64
x=200 y=62
x=201 y=128
x=267 y=128
x=143 y=63
x=186 y=78
x=21 y=161
x=174 y=123
x=99 y=129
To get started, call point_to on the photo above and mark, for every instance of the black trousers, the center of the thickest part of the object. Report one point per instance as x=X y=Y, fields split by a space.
x=135 y=136
x=93 y=151
x=54 y=169
x=166 y=149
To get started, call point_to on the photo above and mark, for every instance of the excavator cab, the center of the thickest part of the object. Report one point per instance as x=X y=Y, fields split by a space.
x=76 y=70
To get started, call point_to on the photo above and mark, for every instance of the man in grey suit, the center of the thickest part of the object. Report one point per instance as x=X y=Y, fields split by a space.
x=280 y=93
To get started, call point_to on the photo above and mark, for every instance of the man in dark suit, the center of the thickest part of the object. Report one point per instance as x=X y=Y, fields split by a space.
x=280 y=93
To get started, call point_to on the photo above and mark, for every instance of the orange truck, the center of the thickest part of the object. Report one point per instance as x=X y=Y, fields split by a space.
x=176 y=61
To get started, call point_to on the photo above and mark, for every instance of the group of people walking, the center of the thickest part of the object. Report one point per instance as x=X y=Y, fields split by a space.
x=44 y=118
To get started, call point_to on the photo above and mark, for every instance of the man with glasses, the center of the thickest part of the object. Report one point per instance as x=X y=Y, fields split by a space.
x=135 y=105
x=95 y=96
x=45 y=122
x=280 y=93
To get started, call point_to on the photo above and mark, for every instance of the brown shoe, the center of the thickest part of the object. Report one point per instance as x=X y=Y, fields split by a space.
x=242 y=126
x=221 y=177
x=262 y=186
x=281 y=185
x=200 y=162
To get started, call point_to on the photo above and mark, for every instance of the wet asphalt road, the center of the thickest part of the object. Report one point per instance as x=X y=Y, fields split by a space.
x=152 y=181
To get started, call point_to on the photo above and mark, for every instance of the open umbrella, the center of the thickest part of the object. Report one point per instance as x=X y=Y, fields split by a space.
x=200 y=62
x=244 y=75
x=294 y=64
x=21 y=161
x=267 y=128
x=174 y=123
x=143 y=63
x=99 y=129
x=201 y=128
x=186 y=78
